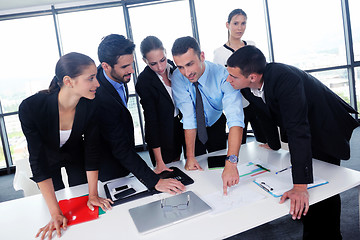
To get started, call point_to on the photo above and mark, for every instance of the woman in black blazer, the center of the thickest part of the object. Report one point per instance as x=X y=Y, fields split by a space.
x=61 y=131
x=163 y=130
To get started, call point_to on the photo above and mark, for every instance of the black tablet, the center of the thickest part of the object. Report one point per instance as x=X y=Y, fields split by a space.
x=178 y=175
x=216 y=162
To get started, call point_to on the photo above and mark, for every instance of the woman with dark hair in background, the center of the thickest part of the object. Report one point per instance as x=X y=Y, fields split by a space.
x=236 y=25
x=163 y=131
x=61 y=131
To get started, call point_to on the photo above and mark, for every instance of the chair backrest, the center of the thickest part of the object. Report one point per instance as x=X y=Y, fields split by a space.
x=22 y=179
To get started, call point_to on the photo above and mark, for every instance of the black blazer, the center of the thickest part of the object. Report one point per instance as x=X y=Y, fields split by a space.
x=310 y=117
x=39 y=117
x=117 y=137
x=160 y=130
x=268 y=126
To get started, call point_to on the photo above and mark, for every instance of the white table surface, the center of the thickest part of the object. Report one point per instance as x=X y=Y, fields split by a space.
x=21 y=218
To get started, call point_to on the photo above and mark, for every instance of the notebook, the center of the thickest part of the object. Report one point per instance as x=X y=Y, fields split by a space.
x=76 y=210
x=164 y=213
x=278 y=183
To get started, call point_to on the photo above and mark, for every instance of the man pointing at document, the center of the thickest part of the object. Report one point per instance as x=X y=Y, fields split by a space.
x=202 y=94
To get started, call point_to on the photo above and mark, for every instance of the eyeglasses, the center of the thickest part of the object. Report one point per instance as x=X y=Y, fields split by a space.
x=181 y=206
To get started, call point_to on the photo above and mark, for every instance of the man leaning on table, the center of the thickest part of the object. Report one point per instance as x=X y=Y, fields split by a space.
x=204 y=122
x=312 y=119
x=119 y=157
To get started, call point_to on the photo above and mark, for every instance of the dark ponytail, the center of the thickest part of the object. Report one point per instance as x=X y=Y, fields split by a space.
x=72 y=65
x=54 y=84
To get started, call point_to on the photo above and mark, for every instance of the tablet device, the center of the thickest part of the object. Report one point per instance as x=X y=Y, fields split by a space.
x=216 y=162
x=178 y=175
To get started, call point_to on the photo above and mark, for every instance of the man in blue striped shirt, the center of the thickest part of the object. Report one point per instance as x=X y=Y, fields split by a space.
x=218 y=96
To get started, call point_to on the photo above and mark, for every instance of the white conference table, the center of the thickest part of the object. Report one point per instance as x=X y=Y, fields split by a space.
x=21 y=218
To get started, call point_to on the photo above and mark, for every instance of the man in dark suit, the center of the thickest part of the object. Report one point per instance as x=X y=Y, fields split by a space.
x=117 y=131
x=312 y=119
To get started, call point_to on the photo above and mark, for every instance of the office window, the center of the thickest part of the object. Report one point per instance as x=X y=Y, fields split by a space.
x=132 y=106
x=2 y=157
x=357 y=79
x=17 y=141
x=354 y=5
x=212 y=17
x=337 y=81
x=28 y=57
x=308 y=34
x=167 y=21
x=82 y=31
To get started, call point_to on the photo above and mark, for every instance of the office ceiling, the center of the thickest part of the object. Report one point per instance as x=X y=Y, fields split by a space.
x=6 y=5
x=17 y=6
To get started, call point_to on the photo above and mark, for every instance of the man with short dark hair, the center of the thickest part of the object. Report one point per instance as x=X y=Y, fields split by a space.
x=119 y=157
x=202 y=94
x=312 y=119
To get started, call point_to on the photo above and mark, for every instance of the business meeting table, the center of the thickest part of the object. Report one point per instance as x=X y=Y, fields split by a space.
x=247 y=205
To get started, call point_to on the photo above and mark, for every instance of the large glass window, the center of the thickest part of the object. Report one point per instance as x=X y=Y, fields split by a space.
x=337 y=81
x=212 y=17
x=29 y=53
x=357 y=87
x=167 y=21
x=17 y=141
x=2 y=157
x=132 y=106
x=28 y=56
x=82 y=31
x=307 y=34
x=354 y=5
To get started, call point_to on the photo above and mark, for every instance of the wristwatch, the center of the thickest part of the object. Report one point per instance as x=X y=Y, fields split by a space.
x=232 y=159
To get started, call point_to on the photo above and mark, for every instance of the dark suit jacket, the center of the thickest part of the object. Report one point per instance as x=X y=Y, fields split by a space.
x=39 y=117
x=268 y=129
x=310 y=117
x=117 y=137
x=160 y=128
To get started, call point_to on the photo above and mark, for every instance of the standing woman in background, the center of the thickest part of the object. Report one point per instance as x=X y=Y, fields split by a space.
x=61 y=131
x=164 y=133
x=236 y=25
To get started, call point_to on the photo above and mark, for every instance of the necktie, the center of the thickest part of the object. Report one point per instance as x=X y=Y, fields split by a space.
x=200 y=117
x=122 y=94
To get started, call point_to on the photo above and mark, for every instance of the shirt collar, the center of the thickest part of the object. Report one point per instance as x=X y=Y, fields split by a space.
x=116 y=85
x=202 y=79
x=168 y=66
x=259 y=92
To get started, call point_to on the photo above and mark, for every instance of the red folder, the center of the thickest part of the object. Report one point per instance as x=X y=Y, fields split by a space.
x=76 y=210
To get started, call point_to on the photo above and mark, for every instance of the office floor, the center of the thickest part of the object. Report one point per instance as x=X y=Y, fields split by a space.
x=283 y=228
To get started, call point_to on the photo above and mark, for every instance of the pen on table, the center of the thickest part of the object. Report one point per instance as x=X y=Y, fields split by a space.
x=283 y=170
x=258 y=165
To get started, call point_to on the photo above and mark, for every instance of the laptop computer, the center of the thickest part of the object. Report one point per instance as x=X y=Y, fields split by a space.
x=169 y=211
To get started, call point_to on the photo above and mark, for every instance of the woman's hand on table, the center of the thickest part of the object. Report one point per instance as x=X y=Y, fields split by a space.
x=57 y=223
